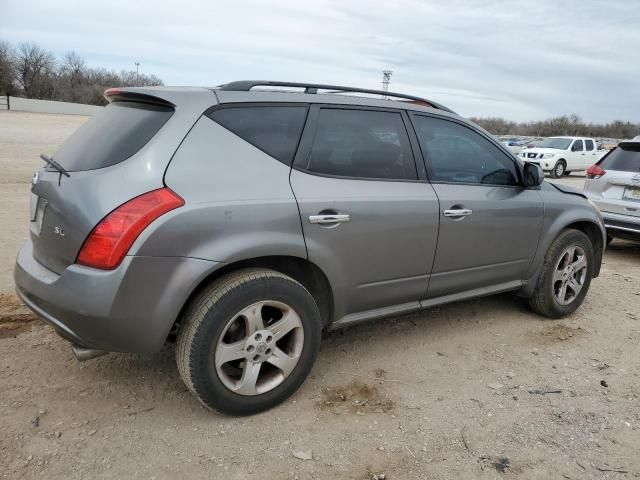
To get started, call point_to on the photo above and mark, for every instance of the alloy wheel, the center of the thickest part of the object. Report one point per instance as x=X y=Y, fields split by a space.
x=569 y=275
x=259 y=347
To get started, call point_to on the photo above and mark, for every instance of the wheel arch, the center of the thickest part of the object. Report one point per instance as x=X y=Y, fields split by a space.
x=300 y=269
x=587 y=226
x=593 y=231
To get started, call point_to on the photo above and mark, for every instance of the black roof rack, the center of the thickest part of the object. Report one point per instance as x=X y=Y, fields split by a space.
x=246 y=85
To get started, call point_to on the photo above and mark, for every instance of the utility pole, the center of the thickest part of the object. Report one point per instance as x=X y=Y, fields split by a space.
x=137 y=64
x=386 y=80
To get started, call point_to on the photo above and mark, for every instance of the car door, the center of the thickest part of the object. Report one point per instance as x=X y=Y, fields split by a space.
x=370 y=219
x=591 y=152
x=576 y=160
x=489 y=224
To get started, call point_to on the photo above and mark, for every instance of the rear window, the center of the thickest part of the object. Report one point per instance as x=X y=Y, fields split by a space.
x=275 y=130
x=112 y=136
x=625 y=158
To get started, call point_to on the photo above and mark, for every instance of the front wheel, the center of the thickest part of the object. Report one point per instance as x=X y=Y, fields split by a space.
x=559 y=169
x=248 y=341
x=565 y=276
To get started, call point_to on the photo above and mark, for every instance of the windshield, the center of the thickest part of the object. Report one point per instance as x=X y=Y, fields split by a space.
x=557 y=143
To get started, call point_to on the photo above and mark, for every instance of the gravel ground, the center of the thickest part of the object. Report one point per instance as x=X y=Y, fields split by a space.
x=476 y=390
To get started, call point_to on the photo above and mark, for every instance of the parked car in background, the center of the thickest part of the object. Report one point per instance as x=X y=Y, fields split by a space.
x=562 y=155
x=513 y=146
x=613 y=185
x=251 y=220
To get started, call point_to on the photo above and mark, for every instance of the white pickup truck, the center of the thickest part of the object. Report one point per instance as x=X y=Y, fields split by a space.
x=563 y=155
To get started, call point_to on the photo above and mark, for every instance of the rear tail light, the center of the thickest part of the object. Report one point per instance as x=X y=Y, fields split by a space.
x=595 y=171
x=110 y=240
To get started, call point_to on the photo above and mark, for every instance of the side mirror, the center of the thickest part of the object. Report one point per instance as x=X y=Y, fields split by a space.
x=533 y=175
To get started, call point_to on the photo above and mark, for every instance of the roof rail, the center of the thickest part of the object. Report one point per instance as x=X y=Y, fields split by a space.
x=246 y=85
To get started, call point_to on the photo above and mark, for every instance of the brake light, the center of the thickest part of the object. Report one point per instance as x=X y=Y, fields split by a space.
x=112 y=92
x=110 y=240
x=595 y=171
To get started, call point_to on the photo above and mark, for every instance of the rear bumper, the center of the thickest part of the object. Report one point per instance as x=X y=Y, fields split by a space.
x=129 y=309
x=626 y=224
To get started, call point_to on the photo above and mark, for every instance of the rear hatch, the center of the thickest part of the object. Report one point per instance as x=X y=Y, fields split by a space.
x=619 y=188
x=109 y=160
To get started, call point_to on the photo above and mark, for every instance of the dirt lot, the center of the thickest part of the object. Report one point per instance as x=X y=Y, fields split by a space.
x=477 y=390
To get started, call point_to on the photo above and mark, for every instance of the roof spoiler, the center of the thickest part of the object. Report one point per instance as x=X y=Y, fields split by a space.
x=123 y=95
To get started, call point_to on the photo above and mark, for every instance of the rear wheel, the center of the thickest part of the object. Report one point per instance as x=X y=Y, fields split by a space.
x=559 y=169
x=565 y=276
x=248 y=341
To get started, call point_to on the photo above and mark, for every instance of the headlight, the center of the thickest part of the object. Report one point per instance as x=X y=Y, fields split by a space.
x=548 y=155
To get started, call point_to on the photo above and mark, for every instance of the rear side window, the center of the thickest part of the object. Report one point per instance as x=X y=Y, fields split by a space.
x=275 y=130
x=589 y=145
x=625 y=158
x=362 y=144
x=112 y=136
x=457 y=154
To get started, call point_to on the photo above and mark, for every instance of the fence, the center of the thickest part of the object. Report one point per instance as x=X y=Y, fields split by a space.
x=20 y=104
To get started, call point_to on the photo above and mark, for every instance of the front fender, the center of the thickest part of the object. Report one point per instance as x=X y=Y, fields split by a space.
x=563 y=211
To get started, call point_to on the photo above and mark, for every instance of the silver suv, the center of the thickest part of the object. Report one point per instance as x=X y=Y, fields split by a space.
x=243 y=221
x=613 y=184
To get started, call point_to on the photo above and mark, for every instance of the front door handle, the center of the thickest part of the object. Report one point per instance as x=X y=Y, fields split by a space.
x=458 y=212
x=335 y=218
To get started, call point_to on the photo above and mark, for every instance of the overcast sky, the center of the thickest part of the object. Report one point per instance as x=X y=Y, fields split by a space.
x=521 y=60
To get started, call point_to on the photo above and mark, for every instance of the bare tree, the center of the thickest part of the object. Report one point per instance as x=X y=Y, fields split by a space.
x=6 y=68
x=564 y=125
x=34 y=69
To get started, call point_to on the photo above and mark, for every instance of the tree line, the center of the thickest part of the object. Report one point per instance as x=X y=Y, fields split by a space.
x=30 y=71
x=571 y=125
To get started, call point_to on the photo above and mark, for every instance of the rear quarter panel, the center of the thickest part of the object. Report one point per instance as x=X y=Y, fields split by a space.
x=238 y=202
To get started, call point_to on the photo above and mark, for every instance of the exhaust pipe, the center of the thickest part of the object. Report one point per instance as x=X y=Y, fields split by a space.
x=83 y=354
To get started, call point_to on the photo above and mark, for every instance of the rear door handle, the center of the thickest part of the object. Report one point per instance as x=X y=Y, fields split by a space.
x=458 y=212
x=324 y=219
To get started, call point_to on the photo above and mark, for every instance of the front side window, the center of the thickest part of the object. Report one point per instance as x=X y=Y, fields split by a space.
x=577 y=146
x=458 y=154
x=275 y=130
x=362 y=144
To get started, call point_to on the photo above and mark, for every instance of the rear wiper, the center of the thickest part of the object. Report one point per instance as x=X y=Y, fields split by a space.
x=50 y=161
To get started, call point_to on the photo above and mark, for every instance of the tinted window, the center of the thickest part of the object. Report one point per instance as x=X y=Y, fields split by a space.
x=362 y=143
x=112 y=136
x=625 y=158
x=458 y=154
x=589 y=144
x=577 y=146
x=274 y=130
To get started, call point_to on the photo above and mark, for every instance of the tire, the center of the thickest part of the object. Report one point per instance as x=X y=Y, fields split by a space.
x=545 y=299
x=226 y=317
x=559 y=169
